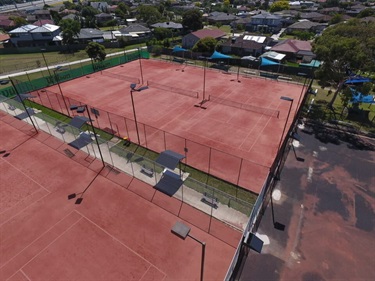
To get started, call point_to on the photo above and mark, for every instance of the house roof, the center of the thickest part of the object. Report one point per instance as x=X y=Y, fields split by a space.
x=45 y=28
x=4 y=37
x=266 y=16
x=134 y=28
x=103 y=15
x=292 y=46
x=219 y=16
x=215 y=33
x=303 y=24
x=248 y=42
x=43 y=22
x=24 y=28
x=273 y=55
x=88 y=33
x=6 y=22
x=168 y=24
x=41 y=12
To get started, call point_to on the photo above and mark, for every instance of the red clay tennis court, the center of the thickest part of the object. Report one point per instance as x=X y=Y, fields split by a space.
x=115 y=235
x=236 y=136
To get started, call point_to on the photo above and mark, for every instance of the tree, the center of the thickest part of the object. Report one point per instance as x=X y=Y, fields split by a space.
x=336 y=19
x=96 y=51
x=366 y=13
x=121 y=10
x=205 y=45
x=149 y=14
x=192 y=20
x=70 y=29
x=279 y=6
x=161 y=33
x=343 y=48
x=18 y=21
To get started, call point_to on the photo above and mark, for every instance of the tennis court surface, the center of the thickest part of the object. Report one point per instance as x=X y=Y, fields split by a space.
x=234 y=135
x=114 y=235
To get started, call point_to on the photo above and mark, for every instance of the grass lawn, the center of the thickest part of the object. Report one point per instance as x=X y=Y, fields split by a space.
x=360 y=119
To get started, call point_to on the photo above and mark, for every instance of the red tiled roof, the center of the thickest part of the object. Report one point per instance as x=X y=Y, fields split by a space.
x=6 y=23
x=215 y=33
x=4 y=37
x=292 y=46
x=43 y=22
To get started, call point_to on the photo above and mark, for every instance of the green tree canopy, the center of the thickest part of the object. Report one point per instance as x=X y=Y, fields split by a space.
x=279 y=6
x=192 y=20
x=96 y=51
x=161 y=33
x=70 y=29
x=149 y=14
x=205 y=45
x=18 y=21
x=346 y=45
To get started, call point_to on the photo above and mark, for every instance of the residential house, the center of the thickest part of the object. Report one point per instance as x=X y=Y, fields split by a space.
x=294 y=50
x=32 y=35
x=135 y=31
x=220 y=18
x=168 y=25
x=6 y=23
x=246 y=45
x=355 y=10
x=42 y=15
x=189 y=40
x=303 y=25
x=43 y=22
x=274 y=56
x=331 y=10
x=4 y=38
x=101 y=6
x=87 y=35
x=264 y=23
x=299 y=5
x=103 y=17
x=315 y=16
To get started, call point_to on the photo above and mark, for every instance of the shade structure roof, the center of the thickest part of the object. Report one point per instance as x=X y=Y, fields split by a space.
x=178 y=49
x=25 y=114
x=169 y=183
x=218 y=55
x=265 y=61
x=169 y=159
x=78 y=121
x=83 y=140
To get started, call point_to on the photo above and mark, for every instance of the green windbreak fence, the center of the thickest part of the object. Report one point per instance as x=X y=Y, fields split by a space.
x=35 y=81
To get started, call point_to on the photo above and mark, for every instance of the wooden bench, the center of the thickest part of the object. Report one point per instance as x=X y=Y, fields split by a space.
x=285 y=78
x=209 y=200
x=147 y=171
x=268 y=75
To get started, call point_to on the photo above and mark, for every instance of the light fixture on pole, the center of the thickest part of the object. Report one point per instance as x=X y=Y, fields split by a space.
x=182 y=231
x=133 y=89
x=81 y=109
x=59 y=68
x=140 y=63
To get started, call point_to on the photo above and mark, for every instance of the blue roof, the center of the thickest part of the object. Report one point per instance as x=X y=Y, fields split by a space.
x=218 y=55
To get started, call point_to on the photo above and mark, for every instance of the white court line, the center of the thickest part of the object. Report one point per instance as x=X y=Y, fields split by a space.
x=116 y=239
x=36 y=239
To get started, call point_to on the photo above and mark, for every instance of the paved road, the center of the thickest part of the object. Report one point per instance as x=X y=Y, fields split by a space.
x=327 y=205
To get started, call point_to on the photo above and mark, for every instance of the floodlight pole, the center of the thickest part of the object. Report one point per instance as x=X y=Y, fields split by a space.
x=45 y=61
x=204 y=79
x=135 y=116
x=287 y=118
x=303 y=87
x=203 y=254
x=239 y=65
x=140 y=64
x=23 y=104
x=61 y=92
x=95 y=136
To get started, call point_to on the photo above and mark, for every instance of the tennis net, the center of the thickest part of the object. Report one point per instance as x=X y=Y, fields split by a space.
x=121 y=77
x=248 y=107
x=193 y=94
